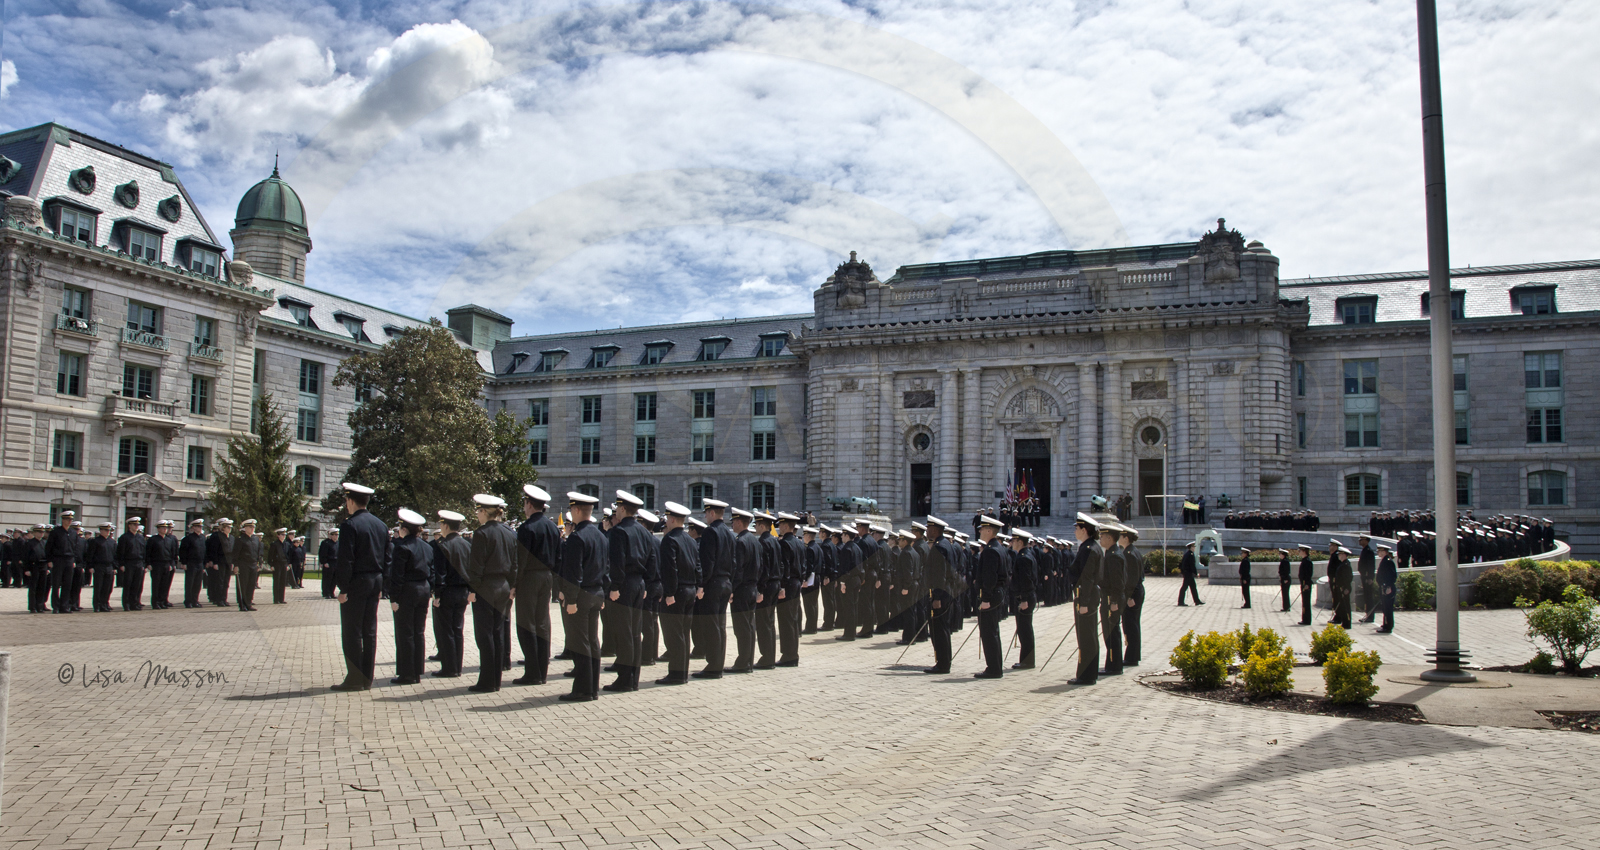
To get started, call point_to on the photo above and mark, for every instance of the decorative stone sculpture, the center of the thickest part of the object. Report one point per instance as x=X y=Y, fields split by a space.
x=1220 y=251
x=850 y=282
x=23 y=210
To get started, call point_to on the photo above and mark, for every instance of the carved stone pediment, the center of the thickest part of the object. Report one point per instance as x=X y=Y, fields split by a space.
x=141 y=483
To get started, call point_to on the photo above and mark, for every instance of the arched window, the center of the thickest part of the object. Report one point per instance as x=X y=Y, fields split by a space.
x=133 y=456
x=306 y=477
x=699 y=493
x=1547 y=487
x=647 y=493
x=1364 y=490
x=763 y=496
x=589 y=490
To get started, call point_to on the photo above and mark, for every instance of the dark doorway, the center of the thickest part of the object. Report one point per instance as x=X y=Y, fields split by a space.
x=921 y=489
x=1033 y=467
x=1150 y=475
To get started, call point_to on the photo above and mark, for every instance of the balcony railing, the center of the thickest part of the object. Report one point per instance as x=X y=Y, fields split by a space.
x=88 y=327
x=140 y=408
x=144 y=338
x=205 y=352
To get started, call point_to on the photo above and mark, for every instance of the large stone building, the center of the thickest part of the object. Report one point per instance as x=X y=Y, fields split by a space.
x=1180 y=368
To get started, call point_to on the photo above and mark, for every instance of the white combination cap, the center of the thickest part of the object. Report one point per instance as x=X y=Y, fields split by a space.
x=741 y=513
x=646 y=516
x=449 y=516
x=991 y=521
x=485 y=500
x=787 y=517
x=675 y=509
x=535 y=492
x=713 y=503
x=576 y=498
x=627 y=498
x=410 y=517
x=350 y=487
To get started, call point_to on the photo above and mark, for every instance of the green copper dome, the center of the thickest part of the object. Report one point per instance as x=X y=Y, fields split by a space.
x=273 y=204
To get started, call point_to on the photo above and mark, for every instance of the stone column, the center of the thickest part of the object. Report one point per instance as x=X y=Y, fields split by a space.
x=1087 y=459
x=1178 y=437
x=1116 y=446
x=974 y=481
x=946 y=477
x=891 y=479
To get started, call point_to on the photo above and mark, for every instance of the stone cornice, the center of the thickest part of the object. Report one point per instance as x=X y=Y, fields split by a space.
x=1420 y=328
x=744 y=365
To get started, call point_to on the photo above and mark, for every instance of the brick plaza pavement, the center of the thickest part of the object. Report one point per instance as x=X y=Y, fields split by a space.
x=845 y=751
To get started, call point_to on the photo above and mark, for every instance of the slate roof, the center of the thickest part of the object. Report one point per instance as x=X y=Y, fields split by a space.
x=1134 y=257
x=743 y=335
x=1487 y=289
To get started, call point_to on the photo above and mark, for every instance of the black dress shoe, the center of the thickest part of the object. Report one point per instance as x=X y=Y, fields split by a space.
x=433 y=658
x=405 y=681
x=744 y=669
x=864 y=634
x=619 y=685
x=611 y=668
x=987 y=674
x=1183 y=604
x=697 y=654
x=1020 y=666
x=1077 y=681
x=845 y=637
x=440 y=674
x=901 y=642
x=570 y=674
x=765 y=665
x=482 y=689
x=1109 y=671
x=578 y=697
x=348 y=685
x=707 y=674
x=527 y=680
x=937 y=671
x=673 y=680
x=1199 y=603
x=810 y=631
x=790 y=663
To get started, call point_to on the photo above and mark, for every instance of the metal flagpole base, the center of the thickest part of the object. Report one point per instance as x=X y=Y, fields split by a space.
x=1447 y=667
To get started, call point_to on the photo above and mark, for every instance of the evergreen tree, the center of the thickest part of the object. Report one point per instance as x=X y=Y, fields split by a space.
x=422 y=441
x=253 y=479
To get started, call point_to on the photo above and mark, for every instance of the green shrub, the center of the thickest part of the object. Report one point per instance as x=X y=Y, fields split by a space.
x=1348 y=676
x=1269 y=671
x=1570 y=627
x=1264 y=641
x=1162 y=561
x=1203 y=660
x=1243 y=639
x=1542 y=663
x=1414 y=593
x=1500 y=587
x=1332 y=638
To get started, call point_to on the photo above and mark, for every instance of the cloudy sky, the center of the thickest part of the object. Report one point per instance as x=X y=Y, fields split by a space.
x=584 y=165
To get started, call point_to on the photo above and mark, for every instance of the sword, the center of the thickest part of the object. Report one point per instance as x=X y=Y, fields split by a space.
x=1071 y=628
x=914 y=638
x=963 y=643
x=1008 y=649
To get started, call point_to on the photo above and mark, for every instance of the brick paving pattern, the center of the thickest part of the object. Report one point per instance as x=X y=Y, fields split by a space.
x=846 y=751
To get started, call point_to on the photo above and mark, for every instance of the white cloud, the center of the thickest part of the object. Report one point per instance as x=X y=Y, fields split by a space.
x=8 y=76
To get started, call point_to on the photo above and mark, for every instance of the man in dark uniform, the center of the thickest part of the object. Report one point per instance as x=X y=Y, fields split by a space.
x=1113 y=577
x=358 y=576
x=581 y=583
x=716 y=589
x=1244 y=576
x=297 y=561
x=811 y=579
x=100 y=556
x=1339 y=581
x=62 y=553
x=746 y=590
x=849 y=580
x=1367 y=566
x=650 y=611
x=539 y=550
x=247 y=560
x=769 y=586
x=791 y=572
x=631 y=551
x=1190 y=570
x=491 y=565
x=192 y=557
x=1388 y=577
x=990 y=579
x=278 y=560
x=219 y=561
x=1024 y=596
x=868 y=555
x=130 y=565
x=448 y=582
x=160 y=552
x=36 y=568
x=828 y=575
x=327 y=558
x=939 y=576
x=1284 y=576
x=1308 y=579
x=405 y=582
x=1085 y=577
x=680 y=583
x=883 y=580
x=1133 y=591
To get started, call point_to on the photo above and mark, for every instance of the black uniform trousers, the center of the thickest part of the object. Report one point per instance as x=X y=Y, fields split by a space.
x=194 y=576
x=1283 y=585
x=1088 y=644
x=989 y=636
x=867 y=613
x=743 y=606
x=39 y=587
x=75 y=591
x=828 y=595
x=766 y=625
x=1190 y=586
x=410 y=628
x=1369 y=595
x=1244 y=589
x=809 y=598
x=1132 y=636
x=630 y=625
x=160 y=585
x=358 y=626
x=710 y=624
x=939 y=633
x=489 y=631
x=789 y=622
x=1386 y=607
x=449 y=634
x=132 y=588
x=845 y=616
x=533 y=608
x=60 y=585
x=1111 y=628
x=281 y=581
x=219 y=586
x=610 y=630
x=104 y=578
x=244 y=590
x=650 y=627
x=1305 y=602
x=675 y=623
x=582 y=630
x=1024 y=618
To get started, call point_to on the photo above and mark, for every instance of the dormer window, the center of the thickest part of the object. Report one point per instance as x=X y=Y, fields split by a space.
x=1358 y=310
x=711 y=348
x=199 y=257
x=772 y=344
x=143 y=244
x=655 y=352
x=1534 y=300
x=600 y=356
x=391 y=331
x=352 y=325
x=300 y=310
x=517 y=358
x=548 y=360
x=75 y=223
x=1458 y=304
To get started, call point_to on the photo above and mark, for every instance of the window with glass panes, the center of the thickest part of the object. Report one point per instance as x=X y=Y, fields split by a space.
x=538 y=412
x=1305 y=490
x=1300 y=429
x=1458 y=386
x=138 y=381
x=1535 y=302
x=195 y=467
x=205 y=331
x=75 y=302
x=712 y=349
x=599 y=358
x=705 y=404
x=644 y=407
x=763 y=445
x=306 y=477
x=589 y=451
x=702 y=448
x=644 y=448
x=67 y=453
x=76 y=224
x=69 y=373
x=539 y=451
x=1546 y=488
x=654 y=354
x=1360 y=404
x=1299 y=377
x=590 y=490
x=772 y=346
x=763 y=496
x=1545 y=396
x=1363 y=491
x=204 y=261
x=309 y=414
x=590 y=407
x=144 y=318
x=699 y=493
x=143 y=244
x=200 y=395
x=764 y=401
x=133 y=456
x=646 y=494
x=1358 y=311
x=1464 y=488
